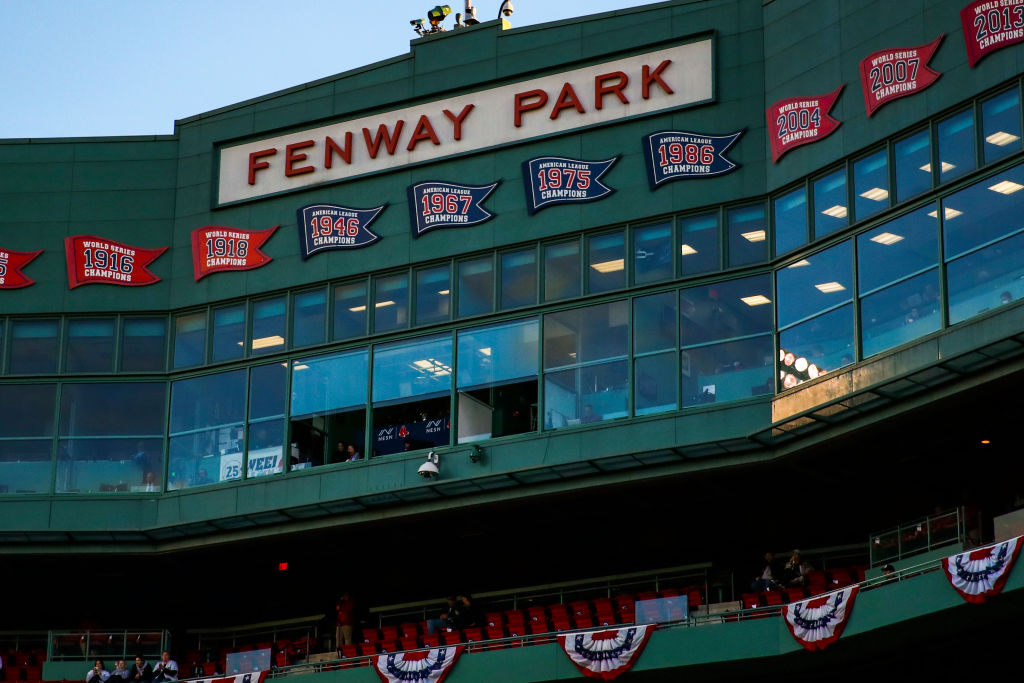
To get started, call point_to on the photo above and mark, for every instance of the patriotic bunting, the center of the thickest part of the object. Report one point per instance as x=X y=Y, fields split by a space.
x=818 y=622
x=219 y=247
x=980 y=574
x=608 y=653
x=255 y=677
x=430 y=666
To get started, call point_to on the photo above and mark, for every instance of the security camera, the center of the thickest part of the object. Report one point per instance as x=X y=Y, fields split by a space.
x=429 y=469
x=507 y=9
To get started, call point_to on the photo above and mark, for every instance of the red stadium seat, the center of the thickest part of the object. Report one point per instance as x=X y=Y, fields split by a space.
x=451 y=637
x=209 y=668
x=494 y=619
x=409 y=643
x=431 y=639
x=388 y=646
x=367 y=649
x=795 y=594
x=473 y=635
x=409 y=630
x=537 y=613
x=495 y=632
x=773 y=598
x=579 y=608
x=389 y=633
x=349 y=651
x=370 y=636
x=751 y=600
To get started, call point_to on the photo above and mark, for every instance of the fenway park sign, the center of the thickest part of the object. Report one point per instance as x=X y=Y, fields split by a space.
x=632 y=86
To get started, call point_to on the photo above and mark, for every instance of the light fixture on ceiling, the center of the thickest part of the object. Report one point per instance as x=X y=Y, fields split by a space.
x=753 y=236
x=837 y=211
x=887 y=238
x=755 y=300
x=829 y=287
x=875 y=194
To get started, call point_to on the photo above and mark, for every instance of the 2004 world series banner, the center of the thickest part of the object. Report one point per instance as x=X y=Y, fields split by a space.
x=219 y=247
x=323 y=227
x=439 y=204
x=557 y=180
x=675 y=155
x=95 y=260
x=11 y=263
x=797 y=121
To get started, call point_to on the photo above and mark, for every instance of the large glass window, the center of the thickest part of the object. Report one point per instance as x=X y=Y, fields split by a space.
x=189 y=339
x=830 y=203
x=986 y=279
x=871 y=184
x=33 y=347
x=268 y=325
x=433 y=294
x=816 y=346
x=585 y=351
x=144 y=344
x=900 y=313
x=654 y=349
x=412 y=394
x=1000 y=116
x=350 y=310
x=748 y=236
x=698 y=244
x=606 y=256
x=476 y=287
x=390 y=302
x=26 y=437
x=111 y=437
x=956 y=146
x=90 y=346
x=309 y=318
x=900 y=248
x=328 y=408
x=815 y=284
x=652 y=253
x=497 y=380
x=561 y=270
x=228 y=332
x=266 y=419
x=518 y=278
x=913 y=159
x=206 y=429
x=790 y=221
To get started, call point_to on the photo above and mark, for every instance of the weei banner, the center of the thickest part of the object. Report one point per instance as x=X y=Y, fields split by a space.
x=439 y=204
x=893 y=73
x=219 y=247
x=676 y=154
x=797 y=121
x=325 y=227
x=557 y=180
x=95 y=260
x=991 y=25
x=11 y=263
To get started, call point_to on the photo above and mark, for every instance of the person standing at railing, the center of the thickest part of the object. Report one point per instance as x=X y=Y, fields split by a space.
x=98 y=673
x=142 y=671
x=346 y=620
x=166 y=669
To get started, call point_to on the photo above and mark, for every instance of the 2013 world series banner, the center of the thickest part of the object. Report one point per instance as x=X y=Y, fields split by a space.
x=991 y=25
x=11 y=263
x=890 y=74
x=439 y=204
x=219 y=247
x=676 y=155
x=557 y=180
x=797 y=121
x=96 y=260
x=325 y=227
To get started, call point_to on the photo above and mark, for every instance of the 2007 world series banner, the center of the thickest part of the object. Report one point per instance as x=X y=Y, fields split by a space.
x=890 y=74
x=96 y=260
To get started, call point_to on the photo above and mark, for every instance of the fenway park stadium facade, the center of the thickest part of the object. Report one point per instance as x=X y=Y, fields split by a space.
x=581 y=319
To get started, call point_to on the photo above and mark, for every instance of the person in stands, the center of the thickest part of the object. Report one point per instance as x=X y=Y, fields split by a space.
x=795 y=571
x=166 y=669
x=766 y=580
x=120 y=674
x=445 y=619
x=142 y=671
x=346 y=620
x=98 y=673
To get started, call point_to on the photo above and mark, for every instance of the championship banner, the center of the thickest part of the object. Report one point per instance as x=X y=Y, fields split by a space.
x=893 y=73
x=439 y=204
x=95 y=260
x=674 y=155
x=978 y=575
x=608 y=653
x=799 y=121
x=219 y=247
x=557 y=180
x=324 y=227
x=11 y=263
x=255 y=677
x=818 y=622
x=990 y=25
x=421 y=665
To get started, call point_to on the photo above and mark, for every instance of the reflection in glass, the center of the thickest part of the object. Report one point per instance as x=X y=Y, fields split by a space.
x=913 y=158
x=902 y=247
x=728 y=371
x=266 y=419
x=956 y=145
x=1000 y=120
x=652 y=253
x=655 y=383
x=815 y=284
x=986 y=279
x=790 y=221
x=108 y=465
x=433 y=294
x=189 y=339
x=390 y=302
x=724 y=310
x=587 y=394
x=309 y=318
x=698 y=244
x=748 y=236
x=328 y=408
x=830 y=203
x=476 y=287
x=350 y=310
x=268 y=325
x=518 y=278
x=144 y=344
x=606 y=256
x=816 y=346
x=33 y=347
x=871 y=184
x=983 y=212
x=583 y=335
x=900 y=313
x=25 y=466
x=654 y=322
x=206 y=429
x=561 y=270
x=228 y=332
x=90 y=346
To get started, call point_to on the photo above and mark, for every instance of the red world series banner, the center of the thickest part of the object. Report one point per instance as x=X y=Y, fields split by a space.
x=893 y=73
x=799 y=121
x=990 y=25
x=95 y=260
x=219 y=247
x=11 y=263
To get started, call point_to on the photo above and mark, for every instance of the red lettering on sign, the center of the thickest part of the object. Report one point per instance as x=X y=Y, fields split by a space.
x=259 y=165
x=457 y=120
x=651 y=77
x=524 y=104
x=291 y=158
x=333 y=148
x=424 y=131
x=567 y=99
x=601 y=88
x=390 y=142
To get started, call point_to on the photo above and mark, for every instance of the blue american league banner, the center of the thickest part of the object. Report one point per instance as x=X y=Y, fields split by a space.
x=439 y=204
x=674 y=155
x=557 y=180
x=324 y=227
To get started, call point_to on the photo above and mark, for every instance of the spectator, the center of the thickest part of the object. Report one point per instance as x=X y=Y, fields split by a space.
x=120 y=674
x=346 y=610
x=142 y=671
x=795 y=571
x=444 y=620
x=465 y=614
x=766 y=580
x=888 y=569
x=353 y=453
x=98 y=673
x=166 y=669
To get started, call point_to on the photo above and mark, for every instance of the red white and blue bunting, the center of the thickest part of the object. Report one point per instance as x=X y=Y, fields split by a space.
x=255 y=677
x=606 y=653
x=818 y=622
x=980 y=574
x=420 y=665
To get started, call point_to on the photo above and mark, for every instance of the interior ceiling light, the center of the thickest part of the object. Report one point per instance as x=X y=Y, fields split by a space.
x=837 y=211
x=945 y=166
x=756 y=300
x=948 y=212
x=753 y=236
x=357 y=309
x=486 y=351
x=267 y=342
x=382 y=304
x=829 y=287
x=444 y=292
x=686 y=250
x=799 y=264
x=887 y=238
x=300 y=366
x=609 y=266
x=1006 y=187
x=1001 y=138
x=876 y=194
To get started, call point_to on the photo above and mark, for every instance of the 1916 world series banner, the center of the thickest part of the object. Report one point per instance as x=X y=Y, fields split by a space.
x=96 y=260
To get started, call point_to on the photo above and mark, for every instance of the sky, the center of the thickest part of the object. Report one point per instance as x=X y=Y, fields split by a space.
x=132 y=67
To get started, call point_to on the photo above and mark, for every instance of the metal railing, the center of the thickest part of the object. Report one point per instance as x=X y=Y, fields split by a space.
x=121 y=644
x=917 y=537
